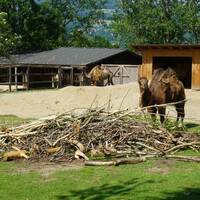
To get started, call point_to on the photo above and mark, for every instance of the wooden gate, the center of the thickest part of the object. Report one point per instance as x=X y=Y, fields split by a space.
x=123 y=73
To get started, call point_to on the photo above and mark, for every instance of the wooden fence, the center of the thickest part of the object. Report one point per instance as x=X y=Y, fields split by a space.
x=55 y=77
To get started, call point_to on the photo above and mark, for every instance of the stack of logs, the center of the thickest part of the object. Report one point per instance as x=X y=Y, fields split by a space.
x=94 y=134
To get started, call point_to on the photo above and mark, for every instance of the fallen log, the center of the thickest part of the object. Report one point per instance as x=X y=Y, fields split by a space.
x=184 y=158
x=115 y=162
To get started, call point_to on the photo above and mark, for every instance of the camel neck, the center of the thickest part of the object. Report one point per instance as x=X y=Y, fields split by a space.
x=145 y=97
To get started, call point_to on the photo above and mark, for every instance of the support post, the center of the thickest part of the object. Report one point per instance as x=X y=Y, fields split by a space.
x=53 y=79
x=27 y=77
x=72 y=76
x=59 y=77
x=16 y=79
x=121 y=75
x=10 y=79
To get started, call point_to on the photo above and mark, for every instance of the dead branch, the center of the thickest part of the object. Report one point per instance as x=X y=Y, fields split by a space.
x=184 y=158
x=95 y=133
x=115 y=162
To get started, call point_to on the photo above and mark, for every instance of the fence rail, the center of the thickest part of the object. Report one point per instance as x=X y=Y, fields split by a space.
x=26 y=78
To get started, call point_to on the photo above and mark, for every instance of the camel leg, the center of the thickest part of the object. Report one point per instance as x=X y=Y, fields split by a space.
x=111 y=80
x=180 y=112
x=161 y=111
x=152 y=111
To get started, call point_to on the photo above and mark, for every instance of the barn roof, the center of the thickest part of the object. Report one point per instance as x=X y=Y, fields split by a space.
x=66 y=56
x=165 y=46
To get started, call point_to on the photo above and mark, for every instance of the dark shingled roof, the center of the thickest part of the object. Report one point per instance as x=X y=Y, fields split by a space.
x=66 y=56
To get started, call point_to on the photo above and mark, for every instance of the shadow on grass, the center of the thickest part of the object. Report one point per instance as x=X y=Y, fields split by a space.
x=186 y=194
x=126 y=189
x=191 y=125
x=105 y=191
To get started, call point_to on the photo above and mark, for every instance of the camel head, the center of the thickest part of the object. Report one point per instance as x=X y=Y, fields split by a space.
x=87 y=76
x=143 y=84
x=144 y=91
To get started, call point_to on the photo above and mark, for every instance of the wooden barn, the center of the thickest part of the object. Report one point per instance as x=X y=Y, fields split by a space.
x=65 y=66
x=184 y=59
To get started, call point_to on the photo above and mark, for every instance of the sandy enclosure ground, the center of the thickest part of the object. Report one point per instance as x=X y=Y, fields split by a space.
x=36 y=104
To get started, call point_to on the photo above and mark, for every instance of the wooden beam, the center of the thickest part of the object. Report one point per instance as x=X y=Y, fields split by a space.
x=10 y=78
x=59 y=77
x=121 y=75
x=27 y=77
x=16 y=79
x=72 y=76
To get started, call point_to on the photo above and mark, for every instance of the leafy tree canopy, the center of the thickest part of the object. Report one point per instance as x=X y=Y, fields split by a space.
x=38 y=25
x=8 y=40
x=80 y=18
x=53 y=23
x=157 y=22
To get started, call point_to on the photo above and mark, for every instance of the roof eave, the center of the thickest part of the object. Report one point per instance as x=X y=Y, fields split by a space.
x=165 y=46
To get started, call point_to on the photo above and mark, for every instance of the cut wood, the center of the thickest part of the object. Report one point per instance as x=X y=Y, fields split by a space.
x=80 y=155
x=184 y=158
x=53 y=150
x=12 y=155
x=96 y=133
x=115 y=162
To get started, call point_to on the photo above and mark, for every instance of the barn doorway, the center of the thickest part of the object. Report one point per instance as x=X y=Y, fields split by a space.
x=182 y=66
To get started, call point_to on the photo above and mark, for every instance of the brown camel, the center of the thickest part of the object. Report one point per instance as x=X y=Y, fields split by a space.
x=98 y=74
x=164 y=88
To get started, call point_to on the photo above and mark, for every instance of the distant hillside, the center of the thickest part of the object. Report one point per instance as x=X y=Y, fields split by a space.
x=103 y=30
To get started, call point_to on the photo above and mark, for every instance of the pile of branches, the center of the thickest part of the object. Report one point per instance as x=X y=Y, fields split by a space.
x=92 y=133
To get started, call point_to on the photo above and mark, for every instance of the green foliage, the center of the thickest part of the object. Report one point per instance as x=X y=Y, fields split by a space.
x=11 y=120
x=157 y=22
x=39 y=25
x=80 y=17
x=8 y=39
x=53 y=23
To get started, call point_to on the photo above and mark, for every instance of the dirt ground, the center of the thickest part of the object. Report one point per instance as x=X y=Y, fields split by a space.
x=41 y=103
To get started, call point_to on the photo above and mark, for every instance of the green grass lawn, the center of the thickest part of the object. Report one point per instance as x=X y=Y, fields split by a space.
x=151 y=180
x=12 y=120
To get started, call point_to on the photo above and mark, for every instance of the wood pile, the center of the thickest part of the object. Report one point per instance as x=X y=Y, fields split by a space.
x=93 y=134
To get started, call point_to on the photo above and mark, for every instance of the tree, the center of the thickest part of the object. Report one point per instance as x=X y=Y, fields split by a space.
x=38 y=24
x=192 y=19
x=80 y=18
x=53 y=23
x=8 y=40
x=157 y=22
